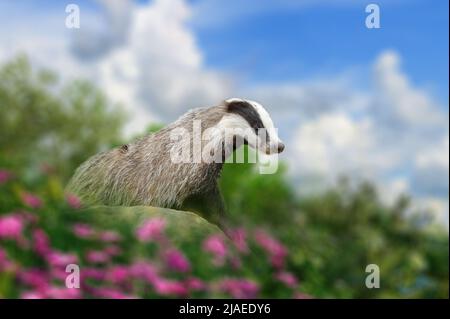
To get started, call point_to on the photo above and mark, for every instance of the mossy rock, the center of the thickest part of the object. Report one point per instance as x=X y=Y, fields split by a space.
x=181 y=225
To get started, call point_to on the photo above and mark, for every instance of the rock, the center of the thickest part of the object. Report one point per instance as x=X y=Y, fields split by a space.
x=181 y=225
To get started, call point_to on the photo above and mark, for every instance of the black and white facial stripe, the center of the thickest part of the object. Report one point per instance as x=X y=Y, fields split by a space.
x=248 y=112
x=257 y=118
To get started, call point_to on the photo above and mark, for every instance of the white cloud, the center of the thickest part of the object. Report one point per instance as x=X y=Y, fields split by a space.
x=398 y=102
x=334 y=144
x=103 y=32
x=392 y=133
x=153 y=66
x=431 y=168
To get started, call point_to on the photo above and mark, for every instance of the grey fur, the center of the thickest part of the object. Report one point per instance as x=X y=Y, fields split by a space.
x=141 y=173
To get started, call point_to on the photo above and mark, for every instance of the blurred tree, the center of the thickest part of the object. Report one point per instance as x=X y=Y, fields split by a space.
x=334 y=235
x=331 y=236
x=46 y=124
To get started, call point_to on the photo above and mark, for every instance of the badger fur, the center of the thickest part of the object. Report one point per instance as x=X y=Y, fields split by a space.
x=142 y=172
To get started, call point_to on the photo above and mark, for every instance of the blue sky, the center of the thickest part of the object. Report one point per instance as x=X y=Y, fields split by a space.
x=366 y=103
x=330 y=38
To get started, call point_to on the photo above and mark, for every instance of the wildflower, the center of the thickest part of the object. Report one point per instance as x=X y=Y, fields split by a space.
x=287 y=278
x=73 y=201
x=274 y=248
x=83 y=231
x=41 y=243
x=32 y=295
x=177 y=261
x=5 y=263
x=238 y=236
x=111 y=293
x=56 y=258
x=112 y=250
x=4 y=176
x=11 y=227
x=144 y=270
x=109 y=236
x=31 y=200
x=34 y=278
x=92 y=273
x=195 y=284
x=118 y=274
x=62 y=293
x=239 y=288
x=97 y=257
x=170 y=287
x=215 y=244
x=151 y=230
x=59 y=272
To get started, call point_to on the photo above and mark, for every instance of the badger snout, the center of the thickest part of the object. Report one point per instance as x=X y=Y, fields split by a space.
x=280 y=147
x=275 y=148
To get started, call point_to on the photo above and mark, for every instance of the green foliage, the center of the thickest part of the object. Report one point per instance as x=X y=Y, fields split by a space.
x=334 y=235
x=331 y=236
x=44 y=123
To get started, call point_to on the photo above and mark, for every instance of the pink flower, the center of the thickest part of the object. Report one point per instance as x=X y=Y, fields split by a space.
x=239 y=288
x=109 y=236
x=287 y=278
x=5 y=263
x=112 y=250
x=117 y=274
x=83 y=231
x=56 y=258
x=73 y=201
x=63 y=293
x=170 y=287
x=32 y=295
x=152 y=229
x=144 y=270
x=215 y=244
x=238 y=237
x=31 y=200
x=59 y=272
x=41 y=242
x=92 y=273
x=11 y=227
x=4 y=176
x=34 y=278
x=195 y=284
x=274 y=248
x=177 y=261
x=97 y=257
x=111 y=293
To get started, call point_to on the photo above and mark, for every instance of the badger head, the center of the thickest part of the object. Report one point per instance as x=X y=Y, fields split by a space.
x=252 y=124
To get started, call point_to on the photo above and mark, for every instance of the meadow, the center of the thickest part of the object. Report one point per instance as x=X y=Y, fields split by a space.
x=284 y=245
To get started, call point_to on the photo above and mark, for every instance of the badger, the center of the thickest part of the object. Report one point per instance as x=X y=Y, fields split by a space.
x=144 y=173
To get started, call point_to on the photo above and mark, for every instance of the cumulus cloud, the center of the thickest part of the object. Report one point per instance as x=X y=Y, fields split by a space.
x=334 y=144
x=148 y=59
x=144 y=56
x=391 y=133
x=105 y=31
x=161 y=69
x=431 y=169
